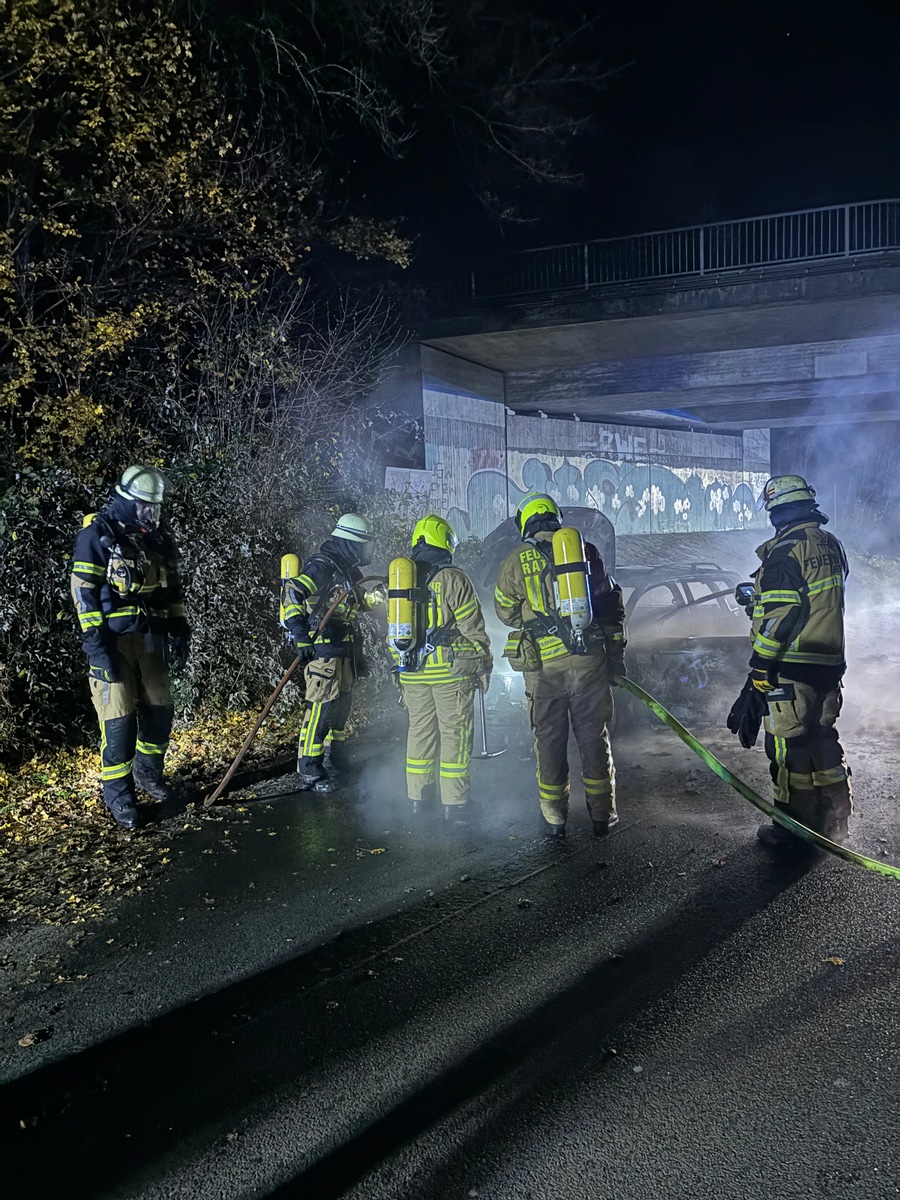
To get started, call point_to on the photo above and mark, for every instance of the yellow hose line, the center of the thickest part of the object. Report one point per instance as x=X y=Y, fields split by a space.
x=781 y=818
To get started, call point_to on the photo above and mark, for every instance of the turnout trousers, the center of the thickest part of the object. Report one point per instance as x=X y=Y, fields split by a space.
x=807 y=763
x=329 y=695
x=572 y=691
x=135 y=717
x=441 y=720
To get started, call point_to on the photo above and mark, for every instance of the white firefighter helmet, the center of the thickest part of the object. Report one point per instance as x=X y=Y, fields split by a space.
x=785 y=489
x=145 y=484
x=354 y=528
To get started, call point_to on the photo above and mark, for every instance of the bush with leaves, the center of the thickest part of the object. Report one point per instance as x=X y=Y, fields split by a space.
x=177 y=235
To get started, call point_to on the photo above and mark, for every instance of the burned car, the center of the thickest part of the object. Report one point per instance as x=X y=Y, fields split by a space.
x=688 y=638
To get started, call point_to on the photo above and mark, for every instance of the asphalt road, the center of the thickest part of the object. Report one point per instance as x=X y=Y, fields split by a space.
x=473 y=1012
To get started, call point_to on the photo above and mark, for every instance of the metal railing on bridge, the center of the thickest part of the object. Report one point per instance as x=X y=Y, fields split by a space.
x=812 y=235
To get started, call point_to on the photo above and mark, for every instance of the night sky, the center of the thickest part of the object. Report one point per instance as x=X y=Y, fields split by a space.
x=727 y=110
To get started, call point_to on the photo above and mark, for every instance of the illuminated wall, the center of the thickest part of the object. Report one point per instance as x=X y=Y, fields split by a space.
x=480 y=460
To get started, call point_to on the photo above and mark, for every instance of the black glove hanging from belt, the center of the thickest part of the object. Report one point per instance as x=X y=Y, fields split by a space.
x=178 y=650
x=747 y=714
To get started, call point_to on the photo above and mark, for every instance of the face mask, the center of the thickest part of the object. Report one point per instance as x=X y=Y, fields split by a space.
x=365 y=551
x=147 y=516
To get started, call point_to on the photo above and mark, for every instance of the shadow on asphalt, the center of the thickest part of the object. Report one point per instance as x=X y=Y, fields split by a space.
x=189 y=1077
x=562 y=1058
x=157 y=1085
x=550 y=1042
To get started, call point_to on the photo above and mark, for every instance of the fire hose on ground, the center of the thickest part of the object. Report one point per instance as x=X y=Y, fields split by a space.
x=779 y=817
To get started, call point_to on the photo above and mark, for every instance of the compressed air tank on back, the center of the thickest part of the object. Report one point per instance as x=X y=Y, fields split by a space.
x=572 y=578
x=401 y=605
x=290 y=569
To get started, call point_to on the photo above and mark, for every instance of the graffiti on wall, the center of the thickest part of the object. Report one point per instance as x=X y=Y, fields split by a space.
x=643 y=497
x=480 y=463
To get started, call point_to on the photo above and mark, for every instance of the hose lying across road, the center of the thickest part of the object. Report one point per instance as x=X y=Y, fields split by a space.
x=781 y=818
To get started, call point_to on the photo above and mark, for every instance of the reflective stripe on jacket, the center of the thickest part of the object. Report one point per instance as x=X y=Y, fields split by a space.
x=524 y=592
x=307 y=597
x=125 y=584
x=798 y=599
x=455 y=624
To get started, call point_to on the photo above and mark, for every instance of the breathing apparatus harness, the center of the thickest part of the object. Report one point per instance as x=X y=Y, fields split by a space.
x=126 y=565
x=341 y=580
x=439 y=635
x=124 y=569
x=415 y=595
x=552 y=625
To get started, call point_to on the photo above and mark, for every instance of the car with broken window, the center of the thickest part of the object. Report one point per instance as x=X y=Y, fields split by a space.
x=688 y=638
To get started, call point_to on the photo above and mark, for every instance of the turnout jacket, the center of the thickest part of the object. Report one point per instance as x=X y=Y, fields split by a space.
x=125 y=583
x=307 y=597
x=524 y=599
x=454 y=643
x=798 y=602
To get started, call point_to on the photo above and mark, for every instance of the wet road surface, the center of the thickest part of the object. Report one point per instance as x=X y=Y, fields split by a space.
x=473 y=1012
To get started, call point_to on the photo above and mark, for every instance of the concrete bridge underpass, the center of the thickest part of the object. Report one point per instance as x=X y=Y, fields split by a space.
x=760 y=323
x=660 y=378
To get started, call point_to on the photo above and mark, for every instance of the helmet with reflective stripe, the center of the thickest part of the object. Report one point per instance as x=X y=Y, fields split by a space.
x=435 y=531
x=785 y=489
x=146 y=484
x=536 y=504
x=354 y=528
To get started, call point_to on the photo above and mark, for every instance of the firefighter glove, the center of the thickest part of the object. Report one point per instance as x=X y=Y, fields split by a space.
x=301 y=639
x=747 y=714
x=103 y=667
x=179 y=648
x=483 y=681
x=759 y=678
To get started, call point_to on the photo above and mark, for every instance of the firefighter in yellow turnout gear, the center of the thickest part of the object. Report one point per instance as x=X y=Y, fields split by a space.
x=567 y=676
x=333 y=657
x=442 y=658
x=130 y=607
x=797 y=662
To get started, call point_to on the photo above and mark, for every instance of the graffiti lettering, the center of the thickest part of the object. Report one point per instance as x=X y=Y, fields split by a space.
x=625 y=445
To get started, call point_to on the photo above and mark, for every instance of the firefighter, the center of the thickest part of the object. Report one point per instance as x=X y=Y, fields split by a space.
x=130 y=608
x=447 y=657
x=333 y=656
x=797 y=662
x=567 y=672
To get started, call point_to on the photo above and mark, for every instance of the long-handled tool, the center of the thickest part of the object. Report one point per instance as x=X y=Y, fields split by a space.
x=248 y=740
x=779 y=817
x=485 y=753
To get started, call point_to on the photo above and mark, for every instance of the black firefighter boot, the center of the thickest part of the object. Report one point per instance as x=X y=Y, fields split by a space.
x=312 y=776
x=154 y=727
x=425 y=801
x=125 y=815
x=457 y=814
x=148 y=776
x=117 y=751
x=118 y=795
x=604 y=824
x=781 y=842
